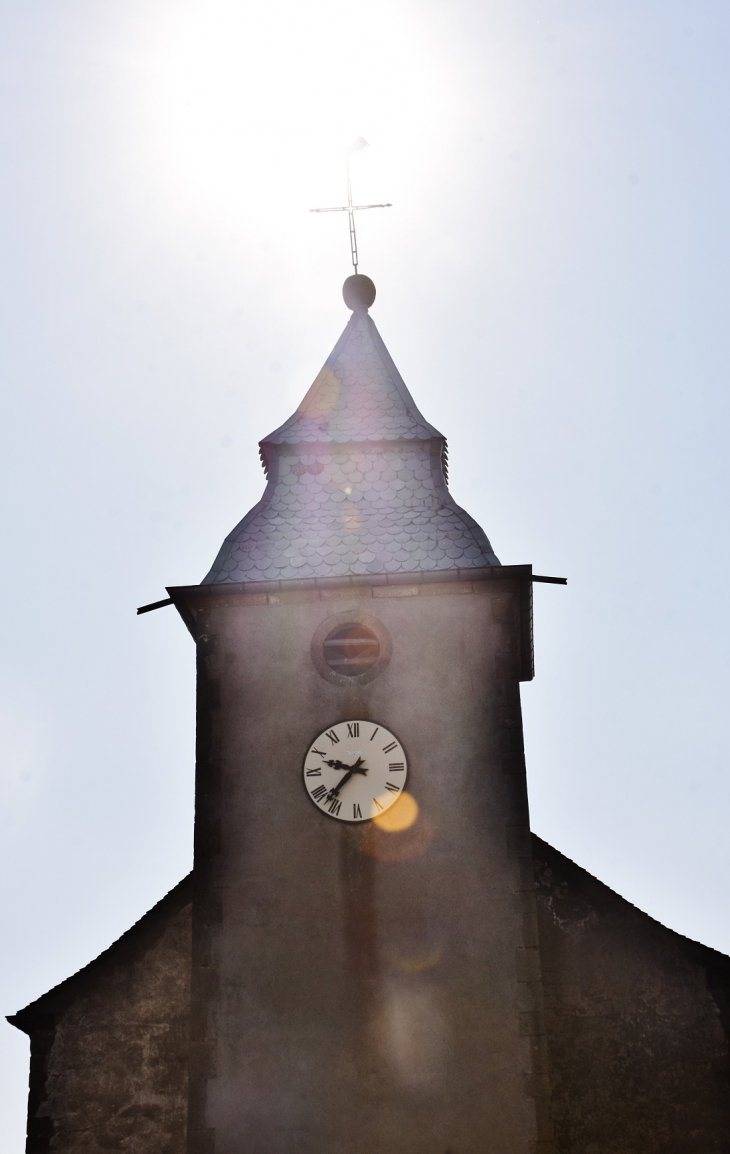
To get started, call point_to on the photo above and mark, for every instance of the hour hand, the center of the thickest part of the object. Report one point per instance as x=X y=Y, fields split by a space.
x=358 y=767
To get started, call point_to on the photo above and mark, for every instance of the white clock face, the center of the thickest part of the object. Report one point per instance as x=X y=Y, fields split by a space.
x=355 y=770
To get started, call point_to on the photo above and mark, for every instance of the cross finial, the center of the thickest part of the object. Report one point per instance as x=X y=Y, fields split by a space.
x=350 y=208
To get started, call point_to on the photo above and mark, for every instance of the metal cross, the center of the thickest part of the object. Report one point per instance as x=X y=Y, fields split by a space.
x=351 y=208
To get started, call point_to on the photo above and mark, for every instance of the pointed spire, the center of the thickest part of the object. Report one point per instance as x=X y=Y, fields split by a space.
x=358 y=395
x=356 y=477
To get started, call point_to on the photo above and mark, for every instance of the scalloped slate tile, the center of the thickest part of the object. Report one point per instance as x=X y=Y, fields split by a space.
x=370 y=498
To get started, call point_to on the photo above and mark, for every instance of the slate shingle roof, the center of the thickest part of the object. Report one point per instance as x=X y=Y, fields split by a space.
x=356 y=482
x=359 y=395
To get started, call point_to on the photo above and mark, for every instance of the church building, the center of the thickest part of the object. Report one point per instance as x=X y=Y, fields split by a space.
x=373 y=954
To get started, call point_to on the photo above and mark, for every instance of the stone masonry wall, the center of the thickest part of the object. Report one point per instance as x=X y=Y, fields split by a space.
x=637 y=1021
x=637 y=1024
x=109 y=1048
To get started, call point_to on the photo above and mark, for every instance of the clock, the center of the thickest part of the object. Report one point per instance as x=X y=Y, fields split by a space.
x=355 y=770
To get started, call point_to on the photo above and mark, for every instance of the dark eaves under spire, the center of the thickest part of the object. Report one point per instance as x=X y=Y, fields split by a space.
x=356 y=478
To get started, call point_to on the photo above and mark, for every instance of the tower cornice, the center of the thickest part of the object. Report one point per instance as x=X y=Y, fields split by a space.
x=193 y=600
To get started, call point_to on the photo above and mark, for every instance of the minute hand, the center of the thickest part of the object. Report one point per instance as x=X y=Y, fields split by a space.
x=336 y=788
x=356 y=768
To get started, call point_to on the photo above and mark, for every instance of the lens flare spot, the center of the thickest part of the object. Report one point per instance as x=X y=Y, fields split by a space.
x=400 y=845
x=325 y=398
x=415 y=962
x=350 y=520
x=414 y=1033
x=400 y=816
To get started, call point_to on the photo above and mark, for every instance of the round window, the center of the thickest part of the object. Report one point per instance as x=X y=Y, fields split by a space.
x=351 y=649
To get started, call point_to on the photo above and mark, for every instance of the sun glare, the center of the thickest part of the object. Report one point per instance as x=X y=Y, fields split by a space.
x=247 y=109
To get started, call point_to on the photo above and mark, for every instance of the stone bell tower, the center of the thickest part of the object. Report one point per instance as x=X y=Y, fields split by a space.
x=369 y=986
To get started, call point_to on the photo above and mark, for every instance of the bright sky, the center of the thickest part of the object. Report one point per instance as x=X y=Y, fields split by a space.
x=552 y=283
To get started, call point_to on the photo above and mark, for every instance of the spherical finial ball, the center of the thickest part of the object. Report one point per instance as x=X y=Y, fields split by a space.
x=358 y=292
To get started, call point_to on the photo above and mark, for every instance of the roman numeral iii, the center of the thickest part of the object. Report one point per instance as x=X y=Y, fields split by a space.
x=396 y=766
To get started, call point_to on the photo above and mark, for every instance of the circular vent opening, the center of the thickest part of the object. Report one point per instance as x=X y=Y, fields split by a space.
x=351 y=649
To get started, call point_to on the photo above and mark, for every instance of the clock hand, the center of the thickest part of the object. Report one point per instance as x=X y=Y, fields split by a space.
x=336 y=788
x=356 y=768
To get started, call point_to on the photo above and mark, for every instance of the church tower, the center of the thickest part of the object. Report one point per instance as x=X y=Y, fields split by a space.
x=366 y=974
x=372 y=953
